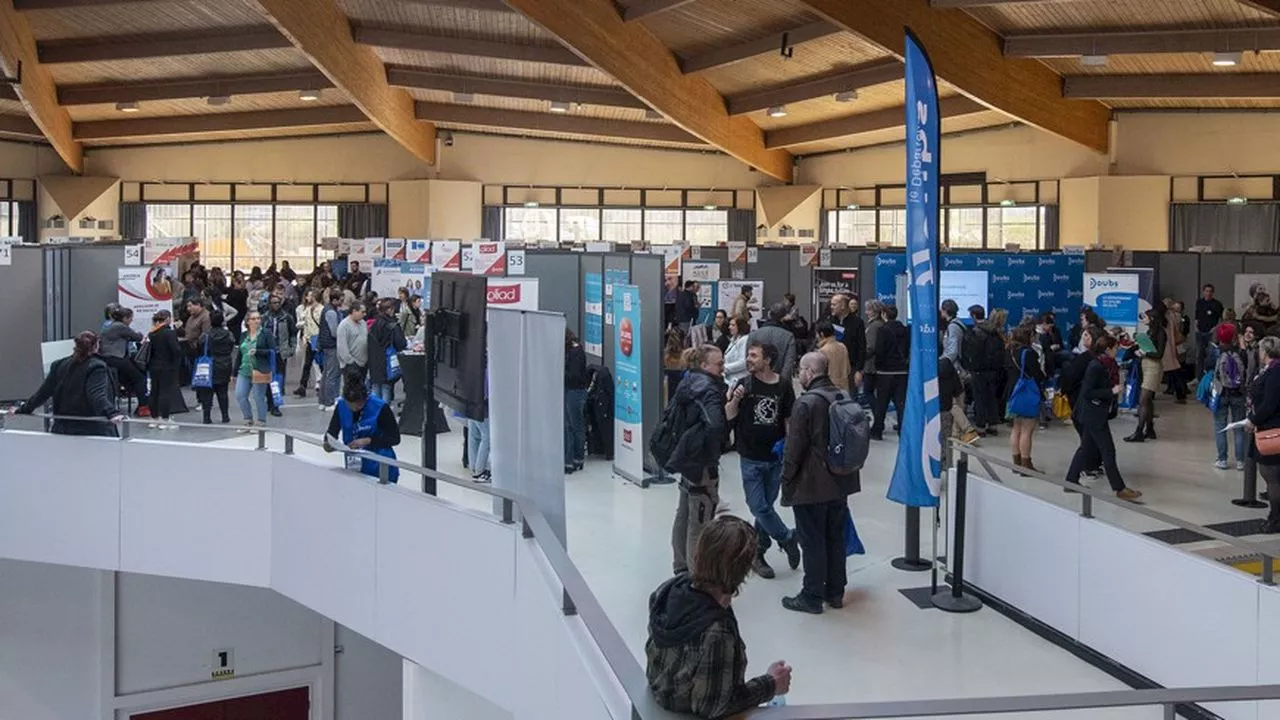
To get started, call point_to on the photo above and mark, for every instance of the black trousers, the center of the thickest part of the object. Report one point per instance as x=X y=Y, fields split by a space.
x=130 y=377
x=206 y=396
x=888 y=387
x=308 y=360
x=821 y=530
x=1092 y=460
x=986 y=405
x=164 y=384
x=1095 y=441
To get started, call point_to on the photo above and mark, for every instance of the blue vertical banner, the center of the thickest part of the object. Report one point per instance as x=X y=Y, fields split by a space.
x=593 y=314
x=613 y=277
x=917 y=475
x=628 y=376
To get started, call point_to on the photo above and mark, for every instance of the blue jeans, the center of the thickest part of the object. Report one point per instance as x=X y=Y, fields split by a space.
x=386 y=391
x=244 y=386
x=575 y=427
x=761 y=481
x=478 y=445
x=1232 y=405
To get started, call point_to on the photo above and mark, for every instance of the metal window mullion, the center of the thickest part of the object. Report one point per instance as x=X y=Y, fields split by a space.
x=233 y=230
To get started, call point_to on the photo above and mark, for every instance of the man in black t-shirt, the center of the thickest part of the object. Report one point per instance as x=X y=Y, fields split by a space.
x=758 y=408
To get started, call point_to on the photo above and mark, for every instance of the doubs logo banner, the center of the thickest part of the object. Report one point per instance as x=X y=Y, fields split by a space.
x=917 y=475
x=1113 y=297
x=513 y=293
x=628 y=403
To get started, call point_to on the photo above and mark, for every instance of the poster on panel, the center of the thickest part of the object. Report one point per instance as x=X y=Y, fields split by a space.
x=672 y=255
x=394 y=249
x=700 y=271
x=737 y=253
x=628 y=453
x=6 y=250
x=144 y=289
x=490 y=258
x=593 y=313
x=468 y=257
x=385 y=278
x=728 y=290
x=1248 y=286
x=1114 y=297
x=613 y=277
x=829 y=282
x=447 y=255
x=808 y=255
x=418 y=251
x=513 y=293
x=1146 y=287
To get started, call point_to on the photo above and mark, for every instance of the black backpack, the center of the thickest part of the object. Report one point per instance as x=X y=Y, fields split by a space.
x=972 y=349
x=666 y=437
x=992 y=350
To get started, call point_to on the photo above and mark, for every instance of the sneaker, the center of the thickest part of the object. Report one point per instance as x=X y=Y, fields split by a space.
x=275 y=412
x=792 y=549
x=1129 y=494
x=800 y=603
x=248 y=427
x=300 y=392
x=991 y=432
x=143 y=411
x=1220 y=464
x=761 y=567
x=1240 y=465
x=152 y=425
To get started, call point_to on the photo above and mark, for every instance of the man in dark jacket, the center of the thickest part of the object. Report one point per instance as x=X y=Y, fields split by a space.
x=283 y=326
x=700 y=398
x=817 y=497
x=696 y=660
x=775 y=332
x=1208 y=315
x=386 y=339
x=687 y=306
x=850 y=328
x=892 y=350
x=330 y=372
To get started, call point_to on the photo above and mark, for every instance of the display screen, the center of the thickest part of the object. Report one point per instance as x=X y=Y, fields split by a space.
x=967 y=288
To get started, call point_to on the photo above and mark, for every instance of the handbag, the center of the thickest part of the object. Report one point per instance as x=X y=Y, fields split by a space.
x=1024 y=399
x=852 y=543
x=393 y=364
x=1268 y=441
x=202 y=373
x=143 y=356
x=276 y=384
x=1132 y=388
x=1061 y=406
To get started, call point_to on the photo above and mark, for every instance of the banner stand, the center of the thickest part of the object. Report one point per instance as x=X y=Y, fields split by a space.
x=911 y=560
x=956 y=600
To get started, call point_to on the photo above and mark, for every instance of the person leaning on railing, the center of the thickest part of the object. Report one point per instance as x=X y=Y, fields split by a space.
x=80 y=386
x=697 y=661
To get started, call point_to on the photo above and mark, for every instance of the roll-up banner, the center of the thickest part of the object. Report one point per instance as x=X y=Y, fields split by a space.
x=829 y=282
x=628 y=404
x=1114 y=296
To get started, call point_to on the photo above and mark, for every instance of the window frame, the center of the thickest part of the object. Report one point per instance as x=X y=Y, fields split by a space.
x=835 y=218
x=316 y=222
x=644 y=224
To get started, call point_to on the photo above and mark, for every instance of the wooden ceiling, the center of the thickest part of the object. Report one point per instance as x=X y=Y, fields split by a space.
x=661 y=73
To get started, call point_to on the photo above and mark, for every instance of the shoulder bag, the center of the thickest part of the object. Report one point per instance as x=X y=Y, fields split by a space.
x=202 y=372
x=1024 y=399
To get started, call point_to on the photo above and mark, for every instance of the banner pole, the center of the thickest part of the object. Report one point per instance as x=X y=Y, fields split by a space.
x=911 y=560
x=956 y=600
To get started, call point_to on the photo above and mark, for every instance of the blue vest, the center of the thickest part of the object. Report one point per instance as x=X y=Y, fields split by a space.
x=366 y=426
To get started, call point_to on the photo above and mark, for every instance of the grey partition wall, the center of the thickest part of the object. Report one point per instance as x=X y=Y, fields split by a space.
x=1098 y=260
x=646 y=274
x=801 y=281
x=57 y=288
x=774 y=268
x=867 y=276
x=715 y=253
x=1178 y=276
x=616 y=261
x=92 y=278
x=21 y=283
x=559 y=284
x=1221 y=270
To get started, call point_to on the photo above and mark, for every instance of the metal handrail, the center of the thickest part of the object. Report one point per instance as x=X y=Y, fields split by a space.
x=579 y=600
x=1088 y=495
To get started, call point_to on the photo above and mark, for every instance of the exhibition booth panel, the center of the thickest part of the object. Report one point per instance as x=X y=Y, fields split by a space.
x=1181 y=275
x=459 y=592
x=1175 y=618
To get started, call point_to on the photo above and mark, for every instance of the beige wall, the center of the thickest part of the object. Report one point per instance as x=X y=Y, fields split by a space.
x=1134 y=212
x=434 y=209
x=27 y=161
x=1078 y=211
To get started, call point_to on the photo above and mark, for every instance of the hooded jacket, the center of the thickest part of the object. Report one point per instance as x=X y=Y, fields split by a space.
x=697 y=662
x=701 y=398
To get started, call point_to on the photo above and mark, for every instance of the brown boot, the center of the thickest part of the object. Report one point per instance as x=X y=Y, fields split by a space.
x=1026 y=463
x=1017 y=459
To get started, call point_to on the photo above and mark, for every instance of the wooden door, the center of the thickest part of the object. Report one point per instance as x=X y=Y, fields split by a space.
x=292 y=704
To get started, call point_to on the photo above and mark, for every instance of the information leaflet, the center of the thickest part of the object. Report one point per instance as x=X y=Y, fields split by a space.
x=628 y=435
x=613 y=277
x=394 y=249
x=593 y=314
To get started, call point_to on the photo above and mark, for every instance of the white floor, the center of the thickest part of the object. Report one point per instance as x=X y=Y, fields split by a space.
x=880 y=646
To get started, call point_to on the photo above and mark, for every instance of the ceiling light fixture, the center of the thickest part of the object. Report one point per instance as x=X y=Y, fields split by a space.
x=559 y=107
x=219 y=100
x=130 y=106
x=777 y=111
x=464 y=97
x=1093 y=60
x=847 y=96
x=710 y=206
x=1008 y=203
x=1238 y=200
x=531 y=203
x=852 y=206
x=309 y=95
x=1227 y=59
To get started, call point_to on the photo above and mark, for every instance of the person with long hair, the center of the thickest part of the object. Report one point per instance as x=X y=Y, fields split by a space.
x=696 y=661
x=699 y=396
x=718 y=333
x=1264 y=414
x=253 y=369
x=219 y=345
x=79 y=386
x=673 y=365
x=308 y=317
x=364 y=422
x=1152 y=365
x=735 y=354
x=237 y=298
x=576 y=382
x=1093 y=407
x=164 y=365
x=1022 y=362
x=410 y=316
x=115 y=350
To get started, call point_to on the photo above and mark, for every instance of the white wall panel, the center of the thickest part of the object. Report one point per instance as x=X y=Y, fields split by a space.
x=1268 y=649
x=190 y=525
x=50 y=631
x=445 y=613
x=1024 y=551
x=60 y=499
x=428 y=696
x=367 y=679
x=1178 y=619
x=322 y=543
x=167 y=630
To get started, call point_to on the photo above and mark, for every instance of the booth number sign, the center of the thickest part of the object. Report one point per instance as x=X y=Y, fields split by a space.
x=224 y=664
x=6 y=251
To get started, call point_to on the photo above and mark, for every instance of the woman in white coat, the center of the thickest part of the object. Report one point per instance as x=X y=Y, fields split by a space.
x=735 y=358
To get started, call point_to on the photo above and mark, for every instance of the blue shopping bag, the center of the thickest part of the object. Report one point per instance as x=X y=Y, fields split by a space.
x=852 y=543
x=1132 y=388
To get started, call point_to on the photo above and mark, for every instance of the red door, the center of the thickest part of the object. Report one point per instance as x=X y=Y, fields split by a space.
x=292 y=704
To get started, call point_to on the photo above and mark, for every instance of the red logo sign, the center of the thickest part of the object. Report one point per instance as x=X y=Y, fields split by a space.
x=488 y=248
x=626 y=436
x=503 y=294
x=626 y=336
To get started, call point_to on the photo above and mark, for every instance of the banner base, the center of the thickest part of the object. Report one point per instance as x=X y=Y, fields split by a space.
x=949 y=601
x=911 y=564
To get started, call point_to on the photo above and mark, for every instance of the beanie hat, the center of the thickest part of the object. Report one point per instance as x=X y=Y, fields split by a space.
x=1226 y=333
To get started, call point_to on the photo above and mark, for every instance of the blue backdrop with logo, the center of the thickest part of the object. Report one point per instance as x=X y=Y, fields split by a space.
x=1022 y=283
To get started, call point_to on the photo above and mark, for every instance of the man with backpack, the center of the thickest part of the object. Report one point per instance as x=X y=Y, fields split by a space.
x=1229 y=372
x=688 y=441
x=758 y=409
x=983 y=354
x=827 y=441
x=952 y=343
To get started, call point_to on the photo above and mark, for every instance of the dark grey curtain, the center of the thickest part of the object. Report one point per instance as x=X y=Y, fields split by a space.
x=1233 y=228
x=742 y=226
x=362 y=220
x=28 y=221
x=824 y=222
x=491 y=222
x=133 y=220
x=1050 y=227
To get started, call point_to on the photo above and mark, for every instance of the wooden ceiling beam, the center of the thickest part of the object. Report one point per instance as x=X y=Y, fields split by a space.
x=1267 y=6
x=768 y=44
x=490 y=5
x=35 y=88
x=1141 y=42
x=969 y=56
x=427 y=80
x=503 y=50
x=888 y=119
x=545 y=122
x=218 y=122
x=20 y=126
x=640 y=9
x=26 y=5
x=320 y=29
x=875 y=72
x=1128 y=87
x=115 y=92
x=987 y=3
x=214 y=40
x=641 y=63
